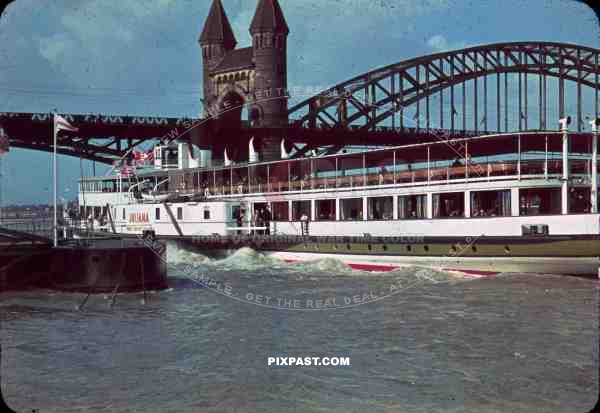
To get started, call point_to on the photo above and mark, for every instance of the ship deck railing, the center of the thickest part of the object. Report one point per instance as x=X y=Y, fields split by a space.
x=189 y=185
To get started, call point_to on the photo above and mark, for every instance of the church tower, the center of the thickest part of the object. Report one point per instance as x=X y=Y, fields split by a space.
x=254 y=78
x=217 y=40
x=269 y=32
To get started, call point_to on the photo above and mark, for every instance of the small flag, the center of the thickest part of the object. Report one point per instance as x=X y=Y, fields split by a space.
x=61 y=123
x=4 y=142
x=127 y=171
x=150 y=156
x=141 y=158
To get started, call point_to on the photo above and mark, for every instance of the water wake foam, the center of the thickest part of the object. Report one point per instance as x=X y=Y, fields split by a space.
x=178 y=256
x=247 y=259
x=325 y=265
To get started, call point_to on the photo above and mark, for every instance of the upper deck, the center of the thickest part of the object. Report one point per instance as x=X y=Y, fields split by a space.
x=525 y=156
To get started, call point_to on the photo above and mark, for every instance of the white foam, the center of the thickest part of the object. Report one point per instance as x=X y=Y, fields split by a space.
x=248 y=259
x=176 y=256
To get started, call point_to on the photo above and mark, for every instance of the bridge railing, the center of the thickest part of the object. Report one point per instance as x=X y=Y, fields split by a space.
x=43 y=229
x=40 y=227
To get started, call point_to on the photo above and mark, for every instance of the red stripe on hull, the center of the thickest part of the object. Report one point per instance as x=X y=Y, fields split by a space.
x=388 y=268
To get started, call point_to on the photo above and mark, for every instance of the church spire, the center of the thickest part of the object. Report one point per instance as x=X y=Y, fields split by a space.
x=268 y=18
x=217 y=28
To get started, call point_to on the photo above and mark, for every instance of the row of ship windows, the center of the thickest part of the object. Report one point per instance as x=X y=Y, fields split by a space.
x=409 y=248
x=535 y=201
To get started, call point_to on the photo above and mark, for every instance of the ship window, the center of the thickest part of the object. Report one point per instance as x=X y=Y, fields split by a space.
x=179 y=214
x=381 y=208
x=300 y=208
x=449 y=205
x=207 y=213
x=412 y=207
x=351 y=209
x=280 y=211
x=157 y=214
x=539 y=201
x=490 y=204
x=325 y=209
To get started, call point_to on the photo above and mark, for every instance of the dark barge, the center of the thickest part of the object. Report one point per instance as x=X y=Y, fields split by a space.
x=80 y=265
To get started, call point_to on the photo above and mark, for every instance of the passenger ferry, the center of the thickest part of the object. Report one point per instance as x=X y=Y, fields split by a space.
x=520 y=202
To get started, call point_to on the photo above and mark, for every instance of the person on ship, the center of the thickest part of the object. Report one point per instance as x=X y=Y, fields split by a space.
x=304 y=220
x=256 y=220
x=267 y=219
x=240 y=220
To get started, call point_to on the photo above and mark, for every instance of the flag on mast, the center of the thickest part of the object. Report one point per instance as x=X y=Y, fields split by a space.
x=61 y=123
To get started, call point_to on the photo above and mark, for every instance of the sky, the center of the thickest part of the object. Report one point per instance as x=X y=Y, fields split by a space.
x=141 y=57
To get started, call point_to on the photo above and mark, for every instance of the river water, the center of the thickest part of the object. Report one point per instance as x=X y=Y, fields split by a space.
x=512 y=343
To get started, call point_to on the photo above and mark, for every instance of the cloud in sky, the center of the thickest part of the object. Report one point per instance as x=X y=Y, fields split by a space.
x=439 y=43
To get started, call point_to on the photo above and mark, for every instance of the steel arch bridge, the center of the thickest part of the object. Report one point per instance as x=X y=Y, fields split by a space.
x=459 y=81
x=503 y=87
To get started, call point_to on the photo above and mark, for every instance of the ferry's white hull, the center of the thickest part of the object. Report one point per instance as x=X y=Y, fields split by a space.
x=471 y=266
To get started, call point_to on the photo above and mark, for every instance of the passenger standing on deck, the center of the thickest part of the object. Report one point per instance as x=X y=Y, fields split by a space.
x=304 y=224
x=256 y=221
x=267 y=220
x=240 y=220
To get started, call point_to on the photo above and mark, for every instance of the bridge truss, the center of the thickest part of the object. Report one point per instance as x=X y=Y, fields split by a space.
x=504 y=87
x=497 y=87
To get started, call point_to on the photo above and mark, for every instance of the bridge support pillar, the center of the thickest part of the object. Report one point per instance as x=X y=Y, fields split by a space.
x=594 y=174
x=565 y=168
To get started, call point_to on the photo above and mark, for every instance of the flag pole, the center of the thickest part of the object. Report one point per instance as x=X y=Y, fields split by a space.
x=54 y=167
